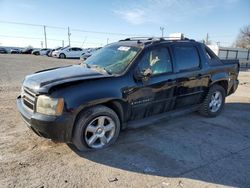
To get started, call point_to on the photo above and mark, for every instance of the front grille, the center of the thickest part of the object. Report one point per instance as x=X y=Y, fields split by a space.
x=28 y=98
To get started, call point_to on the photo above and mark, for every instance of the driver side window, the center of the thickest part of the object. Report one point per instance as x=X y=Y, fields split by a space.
x=158 y=60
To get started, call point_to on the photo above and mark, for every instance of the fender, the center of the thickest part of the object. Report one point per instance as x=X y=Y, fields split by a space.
x=82 y=96
x=86 y=104
x=222 y=76
x=118 y=105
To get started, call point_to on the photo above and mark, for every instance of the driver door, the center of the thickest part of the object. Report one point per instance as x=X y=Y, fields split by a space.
x=154 y=94
x=74 y=52
x=79 y=52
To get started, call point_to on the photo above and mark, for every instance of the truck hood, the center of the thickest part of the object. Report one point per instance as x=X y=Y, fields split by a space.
x=42 y=81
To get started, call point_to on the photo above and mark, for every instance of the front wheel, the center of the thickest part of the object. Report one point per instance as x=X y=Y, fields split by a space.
x=96 y=128
x=214 y=101
x=62 y=56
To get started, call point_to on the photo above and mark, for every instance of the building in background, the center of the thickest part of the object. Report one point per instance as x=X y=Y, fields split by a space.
x=241 y=54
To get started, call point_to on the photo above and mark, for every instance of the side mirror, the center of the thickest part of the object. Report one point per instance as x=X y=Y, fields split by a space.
x=143 y=75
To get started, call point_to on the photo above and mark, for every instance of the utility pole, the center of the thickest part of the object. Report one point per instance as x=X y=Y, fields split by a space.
x=162 y=31
x=62 y=43
x=207 y=39
x=69 y=35
x=45 y=37
x=41 y=44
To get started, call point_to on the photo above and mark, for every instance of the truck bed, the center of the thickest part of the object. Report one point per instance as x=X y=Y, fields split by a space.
x=230 y=61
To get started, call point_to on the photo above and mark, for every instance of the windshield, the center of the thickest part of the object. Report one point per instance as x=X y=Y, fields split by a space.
x=113 y=58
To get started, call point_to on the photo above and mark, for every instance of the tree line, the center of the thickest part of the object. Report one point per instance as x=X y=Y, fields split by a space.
x=243 y=38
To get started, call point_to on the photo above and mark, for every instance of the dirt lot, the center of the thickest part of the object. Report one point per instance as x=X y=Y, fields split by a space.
x=189 y=151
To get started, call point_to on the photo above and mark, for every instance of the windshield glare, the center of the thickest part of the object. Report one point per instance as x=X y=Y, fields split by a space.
x=113 y=58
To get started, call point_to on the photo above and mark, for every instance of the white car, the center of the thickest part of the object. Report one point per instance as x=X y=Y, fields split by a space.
x=88 y=53
x=15 y=51
x=69 y=52
x=43 y=51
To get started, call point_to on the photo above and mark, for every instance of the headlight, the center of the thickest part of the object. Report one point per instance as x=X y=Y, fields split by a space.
x=22 y=91
x=49 y=106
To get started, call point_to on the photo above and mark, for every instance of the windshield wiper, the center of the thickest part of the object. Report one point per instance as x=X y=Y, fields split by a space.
x=87 y=65
x=99 y=68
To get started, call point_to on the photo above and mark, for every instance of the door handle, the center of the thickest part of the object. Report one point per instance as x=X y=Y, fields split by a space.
x=128 y=90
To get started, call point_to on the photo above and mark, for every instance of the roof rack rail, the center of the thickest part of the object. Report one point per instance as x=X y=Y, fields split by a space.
x=157 y=39
x=176 y=38
x=172 y=38
x=137 y=38
x=153 y=38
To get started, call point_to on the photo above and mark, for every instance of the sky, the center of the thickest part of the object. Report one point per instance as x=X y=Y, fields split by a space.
x=96 y=23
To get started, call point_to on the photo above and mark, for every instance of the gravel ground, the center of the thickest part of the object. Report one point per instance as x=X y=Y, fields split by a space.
x=189 y=151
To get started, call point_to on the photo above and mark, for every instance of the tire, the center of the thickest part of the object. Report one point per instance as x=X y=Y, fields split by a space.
x=89 y=131
x=211 y=108
x=62 y=56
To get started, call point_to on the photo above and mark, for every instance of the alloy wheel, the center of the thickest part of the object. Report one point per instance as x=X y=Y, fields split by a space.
x=216 y=101
x=99 y=132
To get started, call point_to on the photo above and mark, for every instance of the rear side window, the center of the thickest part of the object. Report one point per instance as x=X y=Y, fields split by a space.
x=186 y=57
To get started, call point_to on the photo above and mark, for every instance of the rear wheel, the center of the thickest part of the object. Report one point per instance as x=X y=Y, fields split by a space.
x=62 y=56
x=214 y=101
x=96 y=128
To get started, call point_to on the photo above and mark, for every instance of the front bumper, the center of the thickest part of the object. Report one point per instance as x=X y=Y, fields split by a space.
x=56 y=54
x=57 y=128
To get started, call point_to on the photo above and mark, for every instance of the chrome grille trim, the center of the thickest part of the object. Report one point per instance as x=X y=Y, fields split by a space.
x=28 y=99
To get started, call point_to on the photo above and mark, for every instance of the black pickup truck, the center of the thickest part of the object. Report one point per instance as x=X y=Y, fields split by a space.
x=128 y=83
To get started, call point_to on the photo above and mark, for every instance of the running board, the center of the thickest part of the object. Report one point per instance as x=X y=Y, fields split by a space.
x=160 y=117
